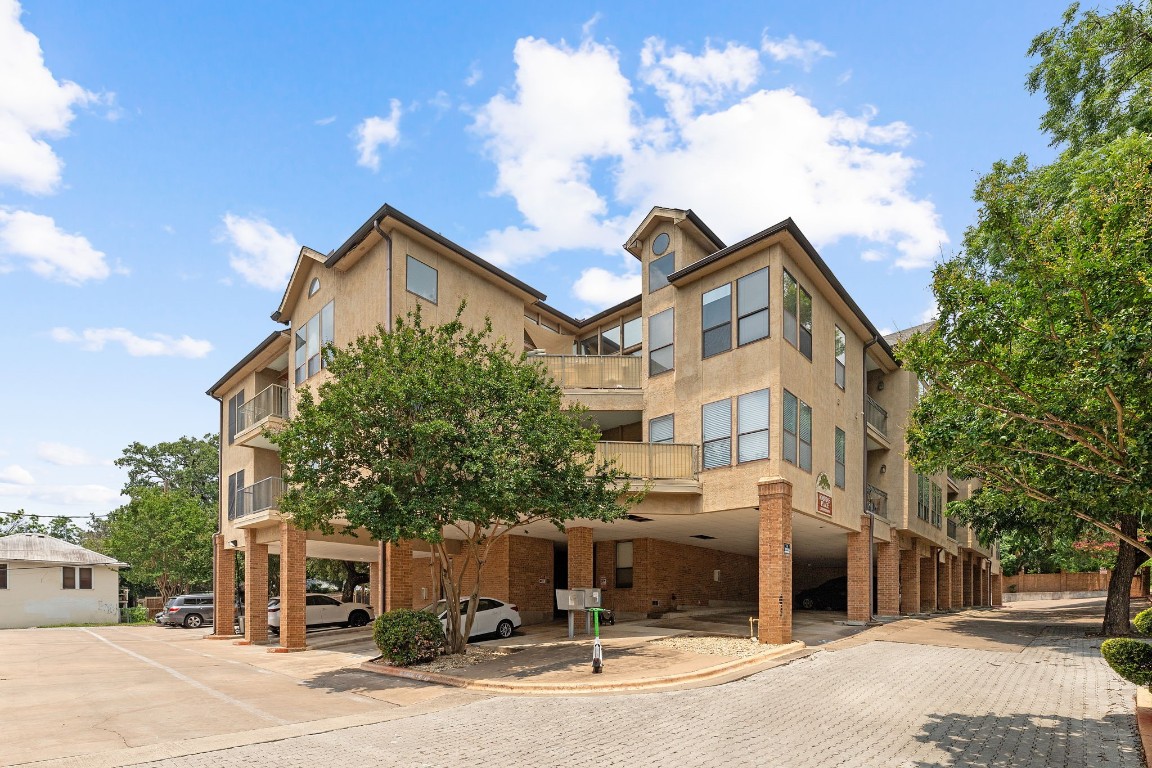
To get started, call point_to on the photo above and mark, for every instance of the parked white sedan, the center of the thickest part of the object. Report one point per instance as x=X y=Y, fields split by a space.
x=493 y=617
x=323 y=610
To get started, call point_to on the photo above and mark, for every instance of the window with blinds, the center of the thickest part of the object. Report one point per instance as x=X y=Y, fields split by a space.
x=717 y=428
x=753 y=425
x=661 y=354
x=752 y=307
x=797 y=432
x=841 y=453
x=716 y=318
x=662 y=429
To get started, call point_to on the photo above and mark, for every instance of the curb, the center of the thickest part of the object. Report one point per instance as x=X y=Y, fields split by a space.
x=745 y=666
x=1144 y=722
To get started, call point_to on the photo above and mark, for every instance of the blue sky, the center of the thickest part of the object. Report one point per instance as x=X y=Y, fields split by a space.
x=161 y=164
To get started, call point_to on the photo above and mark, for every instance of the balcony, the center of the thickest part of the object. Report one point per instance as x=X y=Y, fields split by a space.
x=268 y=408
x=669 y=466
x=259 y=501
x=877 y=502
x=877 y=420
x=594 y=372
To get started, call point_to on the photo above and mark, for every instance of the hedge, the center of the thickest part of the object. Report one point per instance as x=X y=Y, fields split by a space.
x=1131 y=659
x=407 y=637
x=1143 y=622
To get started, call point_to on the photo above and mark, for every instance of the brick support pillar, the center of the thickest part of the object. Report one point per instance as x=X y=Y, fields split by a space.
x=293 y=548
x=775 y=566
x=580 y=561
x=224 y=588
x=398 y=576
x=376 y=581
x=954 y=563
x=928 y=582
x=255 y=589
x=997 y=589
x=860 y=572
x=982 y=581
x=910 y=580
x=944 y=584
x=967 y=571
x=888 y=578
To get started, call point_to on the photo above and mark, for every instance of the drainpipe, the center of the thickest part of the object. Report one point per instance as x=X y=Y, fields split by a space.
x=871 y=514
x=219 y=528
x=387 y=275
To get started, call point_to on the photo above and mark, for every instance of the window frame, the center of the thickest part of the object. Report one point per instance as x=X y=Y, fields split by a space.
x=235 y=403
x=840 y=351
x=840 y=457
x=235 y=487
x=3 y=575
x=408 y=271
x=323 y=325
x=68 y=576
x=668 y=256
x=652 y=350
x=752 y=312
x=726 y=322
x=766 y=429
x=794 y=439
x=671 y=420
x=801 y=334
x=630 y=568
x=706 y=441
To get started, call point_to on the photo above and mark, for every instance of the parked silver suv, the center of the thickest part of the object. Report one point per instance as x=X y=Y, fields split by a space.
x=191 y=611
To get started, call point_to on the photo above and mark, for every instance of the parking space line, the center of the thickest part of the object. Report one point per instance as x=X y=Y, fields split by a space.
x=194 y=683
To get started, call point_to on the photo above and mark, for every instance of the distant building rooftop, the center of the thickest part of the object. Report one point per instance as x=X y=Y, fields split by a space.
x=45 y=549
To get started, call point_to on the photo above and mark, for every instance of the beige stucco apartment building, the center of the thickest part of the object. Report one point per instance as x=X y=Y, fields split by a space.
x=743 y=385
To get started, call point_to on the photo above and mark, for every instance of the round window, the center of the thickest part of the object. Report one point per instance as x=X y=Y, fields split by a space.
x=660 y=244
x=313 y=287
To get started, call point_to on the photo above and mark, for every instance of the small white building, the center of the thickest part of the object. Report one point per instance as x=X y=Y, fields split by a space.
x=46 y=581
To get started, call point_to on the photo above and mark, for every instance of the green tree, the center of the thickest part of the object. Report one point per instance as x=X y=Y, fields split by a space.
x=189 y=464
x=60 y=527
x=424 y=430
x=347 y=573
x=166 y=538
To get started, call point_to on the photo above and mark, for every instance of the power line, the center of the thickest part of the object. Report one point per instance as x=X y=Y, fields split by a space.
x=53 y=517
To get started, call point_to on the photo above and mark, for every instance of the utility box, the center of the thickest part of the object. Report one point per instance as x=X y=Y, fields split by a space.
x=578 y=599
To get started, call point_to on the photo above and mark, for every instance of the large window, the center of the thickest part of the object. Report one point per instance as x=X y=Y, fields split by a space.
x=234 y=404
x=841 y=455
x=658 y=271
x=716 y=316
x=76 y=578
x=235 y=486
x=797 y=316
x=588 y=346
x=753 y=425
x=752 y=307
x=421 y=280
x=797 y=431
x=633 y=334
x=662 y=355
x=717 y=430
x=923 y=497
x=840 y=345
x=662 y=429
x=618 y=338
x=623 y=565
x=310 y=340
x=937 y=505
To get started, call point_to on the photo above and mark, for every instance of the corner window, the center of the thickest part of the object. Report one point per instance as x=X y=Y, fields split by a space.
x=662 y=429
x=234 y=405
x=660 y=337
x=753 y=425
x=752 y=307
x=421 y=280
x=610 y=340
x=840 y=345
x=623 y=565
x=797 y=316
x=797 y=432
x=717 y=423
x=658 y=271
x=716 y=318
x=310 y=340
x=841 y=453
x=633 y=334
x=587 y=346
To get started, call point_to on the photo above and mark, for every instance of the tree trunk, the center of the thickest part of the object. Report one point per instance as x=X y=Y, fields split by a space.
x=1117 y=616
x=352 y=579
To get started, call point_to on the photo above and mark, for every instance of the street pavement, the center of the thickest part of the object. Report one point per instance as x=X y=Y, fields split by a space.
x=1020 y=686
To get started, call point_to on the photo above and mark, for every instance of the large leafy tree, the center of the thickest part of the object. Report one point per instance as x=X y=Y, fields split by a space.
x=60 y=527
x=428 y=431
x=189 y=464
x=166 y=538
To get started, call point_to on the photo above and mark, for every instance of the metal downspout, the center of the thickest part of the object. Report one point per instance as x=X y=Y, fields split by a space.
x=382 y=547
x=871 y=514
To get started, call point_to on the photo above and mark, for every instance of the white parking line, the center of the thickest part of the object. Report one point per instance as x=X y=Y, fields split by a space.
x=194 y=683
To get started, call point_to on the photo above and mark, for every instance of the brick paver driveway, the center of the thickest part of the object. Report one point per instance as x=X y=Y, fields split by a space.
x=1004 y=688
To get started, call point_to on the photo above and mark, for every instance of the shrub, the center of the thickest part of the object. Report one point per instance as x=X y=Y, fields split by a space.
x=1131 y=659
x=135 y=615
x=1143 y=622
x=407 y=637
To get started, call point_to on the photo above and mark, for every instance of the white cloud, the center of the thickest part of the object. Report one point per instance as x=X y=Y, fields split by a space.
x=66 y=495
x=33 y=106
x=374 y=131
x=931 y=312
x=475 y=75
x=871 y=255
x=583 y=163
x=14 y=473
x=325 y=120
x=263 y=255
x=806 y=52
x=602 y=288
x=66 y=455
x=156 y=345
x=44 y=248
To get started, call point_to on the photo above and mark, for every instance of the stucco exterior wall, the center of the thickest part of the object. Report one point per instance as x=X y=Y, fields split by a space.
x=35 y=597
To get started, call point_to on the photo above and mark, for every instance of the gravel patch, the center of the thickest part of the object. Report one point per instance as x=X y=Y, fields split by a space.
x=472 y=655
x=713 y=645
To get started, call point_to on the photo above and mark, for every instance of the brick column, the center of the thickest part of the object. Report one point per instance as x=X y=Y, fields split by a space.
x=293 y=549
x=928 y=582
x=888 y=578
x=224 y=588
x=775 y=587
x=398 y=576
x=255 y=589
x=966 y=569
x=910 y=580
x=944 y=584
x=982 y=580
x=997 y=589
x=376 y=580
x=955 y=563
x=580 y=558
x=860 y=572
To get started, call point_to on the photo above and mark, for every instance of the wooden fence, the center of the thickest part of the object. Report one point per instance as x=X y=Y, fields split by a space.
x=1070 y=582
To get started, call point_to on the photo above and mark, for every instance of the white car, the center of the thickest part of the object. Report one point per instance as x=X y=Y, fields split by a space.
x=493 y=617
x=323 y=610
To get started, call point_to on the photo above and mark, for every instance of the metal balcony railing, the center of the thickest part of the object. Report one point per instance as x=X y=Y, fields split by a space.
x=257 y=497
x=593 y=371
x=877 y=502
x=952 y=529
x=270 y=401
x=876 y=415
x=653 y=461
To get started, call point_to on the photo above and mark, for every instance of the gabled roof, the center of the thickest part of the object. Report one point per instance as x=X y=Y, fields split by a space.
x=684 y=219
x=37 y=547
x=898 y=336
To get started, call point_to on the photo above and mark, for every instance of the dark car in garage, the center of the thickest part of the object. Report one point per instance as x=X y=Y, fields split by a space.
x=832 y=595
